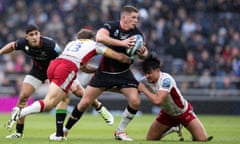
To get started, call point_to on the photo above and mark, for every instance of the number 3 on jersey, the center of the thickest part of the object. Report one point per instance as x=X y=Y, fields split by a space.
x=74 y=47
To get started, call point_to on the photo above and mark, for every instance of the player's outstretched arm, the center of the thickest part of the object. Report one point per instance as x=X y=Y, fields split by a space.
x=88 y=68
x=117 y=56
x=7 y=48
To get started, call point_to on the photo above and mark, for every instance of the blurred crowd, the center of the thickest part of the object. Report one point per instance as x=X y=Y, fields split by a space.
x=199 y=40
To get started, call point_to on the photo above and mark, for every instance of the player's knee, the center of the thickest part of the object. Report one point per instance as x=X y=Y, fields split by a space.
x=48 y=105
x=151 y=138
x=84 y=104
x=135 y=103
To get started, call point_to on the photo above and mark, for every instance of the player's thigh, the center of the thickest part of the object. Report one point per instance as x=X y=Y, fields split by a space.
x=132 y=96
x=90 y=94
x=196 y=128
x=27 y=90
x=54 y=96
x=29 y=85
x=156 y=130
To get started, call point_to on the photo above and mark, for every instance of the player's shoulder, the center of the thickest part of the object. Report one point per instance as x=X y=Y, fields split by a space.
x=85 y=42
x=81 y=42
x=21 y=41
x=167 y=78
x=165 y=75
x=111 y=25
x=47 y=41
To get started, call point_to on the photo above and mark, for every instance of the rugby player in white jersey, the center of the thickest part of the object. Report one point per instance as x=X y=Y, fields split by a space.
x=161 y=89
x=63 y=70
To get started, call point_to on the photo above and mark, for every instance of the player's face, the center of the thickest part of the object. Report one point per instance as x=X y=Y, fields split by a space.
x=130 y=20
x=33 y=38
x=153 y=75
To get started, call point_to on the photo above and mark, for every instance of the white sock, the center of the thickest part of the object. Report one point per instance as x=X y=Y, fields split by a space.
x=36 y=107
x=65 y=129
x=126 y=118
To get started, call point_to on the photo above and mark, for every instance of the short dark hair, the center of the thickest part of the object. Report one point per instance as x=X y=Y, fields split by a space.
x=129 y=9
x=31 y=27
x=150 y=63
x=85 y=34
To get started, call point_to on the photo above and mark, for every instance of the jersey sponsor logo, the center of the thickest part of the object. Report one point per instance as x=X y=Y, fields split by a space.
x=123 y=36
x=166 y=83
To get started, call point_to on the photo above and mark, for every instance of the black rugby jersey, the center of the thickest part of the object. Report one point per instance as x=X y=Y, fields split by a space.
x=42 y=55
x=111 y=65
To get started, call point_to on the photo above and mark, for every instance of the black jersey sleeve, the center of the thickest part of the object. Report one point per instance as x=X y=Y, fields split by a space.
x=112 y=27
x=21 y=44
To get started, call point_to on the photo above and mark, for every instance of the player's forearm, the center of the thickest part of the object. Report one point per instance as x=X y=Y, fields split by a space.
x=117 y=56
x=7 y=48
x=124 y=59
x=152 y=97
x=88 y=68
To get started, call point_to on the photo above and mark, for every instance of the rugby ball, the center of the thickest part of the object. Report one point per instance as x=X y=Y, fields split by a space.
x=138 y=45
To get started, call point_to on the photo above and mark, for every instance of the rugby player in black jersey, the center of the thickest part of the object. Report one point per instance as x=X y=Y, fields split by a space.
x=41 y=50
x=113 y=74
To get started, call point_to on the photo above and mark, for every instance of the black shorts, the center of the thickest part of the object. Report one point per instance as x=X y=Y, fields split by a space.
x=118 y=81
x=38 y=73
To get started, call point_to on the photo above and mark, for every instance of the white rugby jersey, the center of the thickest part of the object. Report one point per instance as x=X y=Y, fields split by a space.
x=81 y=51
x=175 y=104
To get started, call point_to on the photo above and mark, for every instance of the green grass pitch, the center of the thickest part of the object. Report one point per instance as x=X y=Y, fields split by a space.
x=91 y=129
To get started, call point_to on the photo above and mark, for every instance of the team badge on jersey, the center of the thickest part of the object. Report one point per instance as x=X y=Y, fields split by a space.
x=26 y=48
x=166 y=83
x=116 y=33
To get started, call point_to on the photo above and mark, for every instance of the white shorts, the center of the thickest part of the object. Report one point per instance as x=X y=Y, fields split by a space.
x=35 y=82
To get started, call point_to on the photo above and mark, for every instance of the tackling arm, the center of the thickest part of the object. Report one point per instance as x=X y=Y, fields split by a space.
x=88 y=68
x=157 y=98
x=117 y=56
